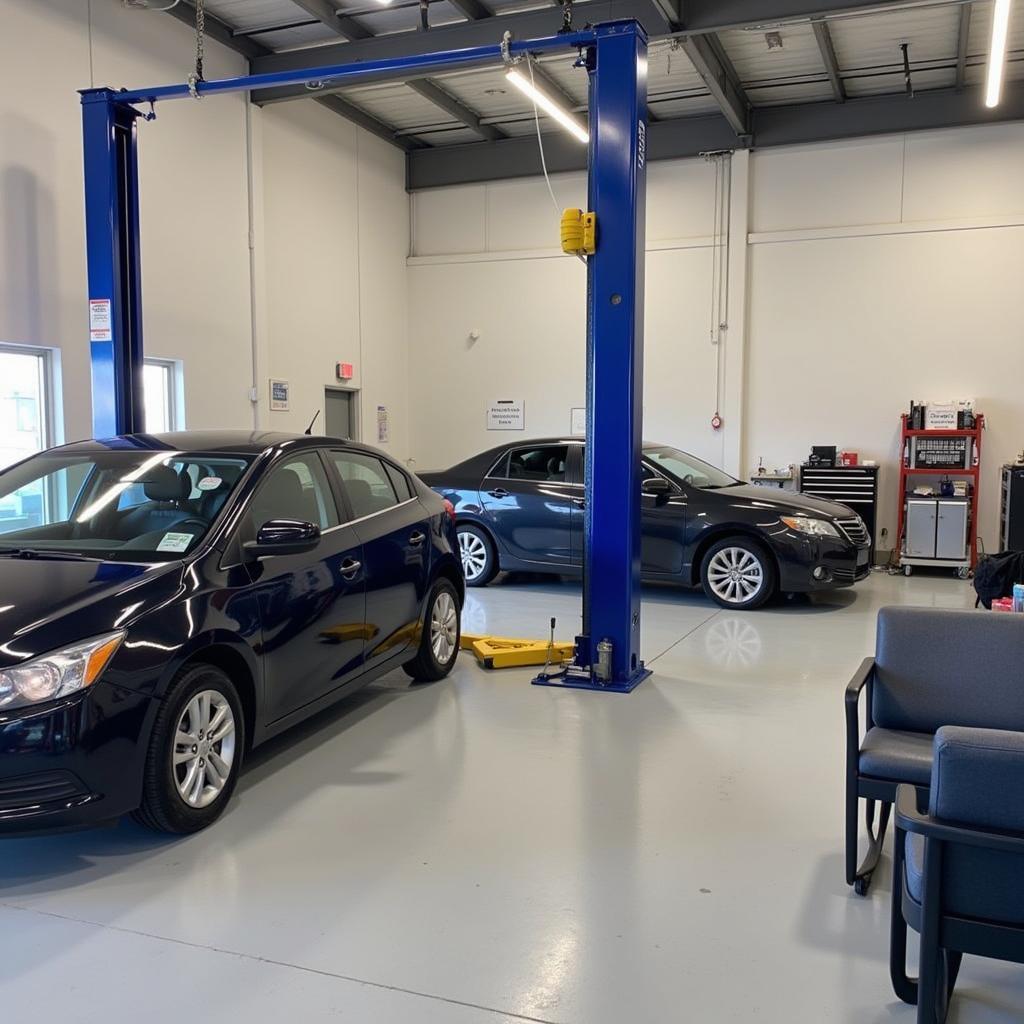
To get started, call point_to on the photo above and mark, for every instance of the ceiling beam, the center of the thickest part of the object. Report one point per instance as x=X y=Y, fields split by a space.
x=703 y=16
x=823 y=37
x=326 y=13
x=185 y=12
x=708 y=57
x=689 y=136
x=534 y=24
x=249 y=48
x=431 y=91
x=368 y=122
x=961 y=46
x=471 y=10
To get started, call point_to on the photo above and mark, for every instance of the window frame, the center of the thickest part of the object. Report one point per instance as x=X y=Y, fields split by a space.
x=505 y=461
x=174 y=387
x=342 y=492
x=247 y=528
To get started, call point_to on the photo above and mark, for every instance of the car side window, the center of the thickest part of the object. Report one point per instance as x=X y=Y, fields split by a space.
x=400 y=482
x=545 y=463
x=295 y=489
x=366 y=482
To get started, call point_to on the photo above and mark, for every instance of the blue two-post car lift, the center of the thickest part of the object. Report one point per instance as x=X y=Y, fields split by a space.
x=616 y=58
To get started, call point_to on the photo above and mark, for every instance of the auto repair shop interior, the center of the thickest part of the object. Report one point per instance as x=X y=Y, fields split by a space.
x=513 y=510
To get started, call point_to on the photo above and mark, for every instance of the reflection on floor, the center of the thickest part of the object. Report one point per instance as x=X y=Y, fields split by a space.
x=484 y=850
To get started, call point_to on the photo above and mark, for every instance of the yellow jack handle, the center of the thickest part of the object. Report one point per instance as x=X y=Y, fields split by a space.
x=579 y=232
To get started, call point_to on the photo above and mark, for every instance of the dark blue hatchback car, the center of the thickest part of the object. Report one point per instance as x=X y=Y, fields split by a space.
x=168 y=602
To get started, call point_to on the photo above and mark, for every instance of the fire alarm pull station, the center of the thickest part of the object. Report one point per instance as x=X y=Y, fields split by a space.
x=344 y=371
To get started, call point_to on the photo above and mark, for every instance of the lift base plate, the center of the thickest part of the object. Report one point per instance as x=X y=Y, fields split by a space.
x=580 y=682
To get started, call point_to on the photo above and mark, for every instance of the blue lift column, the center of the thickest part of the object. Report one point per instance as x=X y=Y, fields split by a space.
x=615 y=353
x=608 y=651
x=112 y=246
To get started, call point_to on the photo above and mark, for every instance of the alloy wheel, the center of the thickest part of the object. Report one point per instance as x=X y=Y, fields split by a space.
x=444 y=626
x=474 y=555
x=735 y=575
x=204 y=748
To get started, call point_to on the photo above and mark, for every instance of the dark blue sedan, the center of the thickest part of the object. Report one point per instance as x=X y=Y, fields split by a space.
x=521 y=506
x=168 y=602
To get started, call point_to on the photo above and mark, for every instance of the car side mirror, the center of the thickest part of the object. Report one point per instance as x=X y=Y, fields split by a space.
x=283 y=537
x=658 y=487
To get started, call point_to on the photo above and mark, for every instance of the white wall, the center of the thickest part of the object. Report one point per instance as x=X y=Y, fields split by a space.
x=877 y=271
x=331 y=218
x=335 y=239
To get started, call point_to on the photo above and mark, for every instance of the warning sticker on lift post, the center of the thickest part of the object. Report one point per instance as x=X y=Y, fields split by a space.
x=100 y=320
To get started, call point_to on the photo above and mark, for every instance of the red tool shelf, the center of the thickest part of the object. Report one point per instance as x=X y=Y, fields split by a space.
x=972 y=473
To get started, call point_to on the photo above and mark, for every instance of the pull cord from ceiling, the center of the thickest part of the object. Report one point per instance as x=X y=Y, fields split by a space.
x=721 y=163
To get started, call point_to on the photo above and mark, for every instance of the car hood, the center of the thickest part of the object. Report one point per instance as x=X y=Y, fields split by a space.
x=785 y=502
x=45 y=605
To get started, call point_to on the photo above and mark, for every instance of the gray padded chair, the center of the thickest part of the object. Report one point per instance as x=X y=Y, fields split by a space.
x=932 y=667
x=958 y=871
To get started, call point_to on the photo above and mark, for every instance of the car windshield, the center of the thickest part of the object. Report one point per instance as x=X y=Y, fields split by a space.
x=687 y=469
x=138 y=506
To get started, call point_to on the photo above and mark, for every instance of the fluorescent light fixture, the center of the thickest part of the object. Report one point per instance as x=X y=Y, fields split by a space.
x=547 y=104
x=997 y=52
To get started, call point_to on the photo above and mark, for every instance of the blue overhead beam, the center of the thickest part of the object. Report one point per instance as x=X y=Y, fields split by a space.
x=616 y=60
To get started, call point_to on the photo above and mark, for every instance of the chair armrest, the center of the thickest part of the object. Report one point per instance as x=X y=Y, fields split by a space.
x=910 y=819
x=861 y=678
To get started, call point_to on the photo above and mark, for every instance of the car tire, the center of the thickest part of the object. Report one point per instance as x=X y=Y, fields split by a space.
x=184 y=788
x=738 y=573
x=479 y=558
x=440 y=636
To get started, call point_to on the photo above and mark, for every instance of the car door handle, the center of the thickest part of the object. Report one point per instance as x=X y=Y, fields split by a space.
x=350 y=567
x=498 y=492
x=580 y=502
x=417 y=538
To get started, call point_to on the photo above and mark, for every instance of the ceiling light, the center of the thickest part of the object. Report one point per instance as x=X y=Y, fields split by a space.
x=548 y=105
x=997 y=52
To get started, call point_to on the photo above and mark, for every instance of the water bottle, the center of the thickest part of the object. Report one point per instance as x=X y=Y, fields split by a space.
x=1018 y=597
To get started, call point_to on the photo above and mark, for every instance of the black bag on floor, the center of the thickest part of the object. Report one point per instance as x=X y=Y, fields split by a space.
x=996 y=575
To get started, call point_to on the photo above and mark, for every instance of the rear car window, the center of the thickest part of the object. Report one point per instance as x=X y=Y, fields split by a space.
x=366 y=481
x=544 y=463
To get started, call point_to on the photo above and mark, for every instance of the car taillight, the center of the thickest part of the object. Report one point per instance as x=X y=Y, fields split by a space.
x=450 y=509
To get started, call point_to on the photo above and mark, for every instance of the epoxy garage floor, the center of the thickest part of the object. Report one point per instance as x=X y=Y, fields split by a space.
x=484 y=850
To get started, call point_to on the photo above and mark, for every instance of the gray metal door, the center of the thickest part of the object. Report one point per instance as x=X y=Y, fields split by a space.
x=921 y=517
x=339 y=413
x=951 y=534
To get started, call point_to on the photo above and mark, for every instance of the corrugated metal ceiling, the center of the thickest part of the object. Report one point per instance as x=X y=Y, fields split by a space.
x=867 y=50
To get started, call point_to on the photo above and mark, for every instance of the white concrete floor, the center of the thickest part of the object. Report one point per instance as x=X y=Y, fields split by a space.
x=484 y=850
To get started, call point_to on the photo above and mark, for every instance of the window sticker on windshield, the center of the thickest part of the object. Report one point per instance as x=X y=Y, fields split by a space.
x=209 y=483
x=175 y=541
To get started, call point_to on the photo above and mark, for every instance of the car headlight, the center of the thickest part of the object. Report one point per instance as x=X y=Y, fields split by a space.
x=57 y=674
x=812 y=527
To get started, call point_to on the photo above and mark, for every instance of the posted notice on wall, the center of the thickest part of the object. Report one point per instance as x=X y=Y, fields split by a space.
x=383 y=425
x=578 y=421
x=278 y=395
x=100 y=320
x=507 y=414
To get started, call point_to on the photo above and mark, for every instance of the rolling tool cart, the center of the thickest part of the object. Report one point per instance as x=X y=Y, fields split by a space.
x=939 y=529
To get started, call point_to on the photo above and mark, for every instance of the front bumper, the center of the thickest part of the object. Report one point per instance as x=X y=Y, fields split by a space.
x=73 y=762
x=843 y=564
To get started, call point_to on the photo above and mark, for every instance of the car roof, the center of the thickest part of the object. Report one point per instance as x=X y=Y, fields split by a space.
x=234 y=442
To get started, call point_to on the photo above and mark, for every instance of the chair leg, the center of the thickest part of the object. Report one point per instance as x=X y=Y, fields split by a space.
x=862 y=877
x=904 y=986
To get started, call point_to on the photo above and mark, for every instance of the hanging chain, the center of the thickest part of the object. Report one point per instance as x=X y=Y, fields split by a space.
x=197 y=75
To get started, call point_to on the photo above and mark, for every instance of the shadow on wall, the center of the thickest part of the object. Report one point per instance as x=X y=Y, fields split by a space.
x=28 y=235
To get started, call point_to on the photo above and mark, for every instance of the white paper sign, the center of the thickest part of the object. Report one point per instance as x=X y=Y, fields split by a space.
x=578 y=421
x=100 y=325
x=383 y=425
x=507 y=414
x=175 y=541
x=279 y=395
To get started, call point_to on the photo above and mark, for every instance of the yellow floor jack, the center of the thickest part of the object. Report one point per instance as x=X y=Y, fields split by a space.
x=513 y=652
